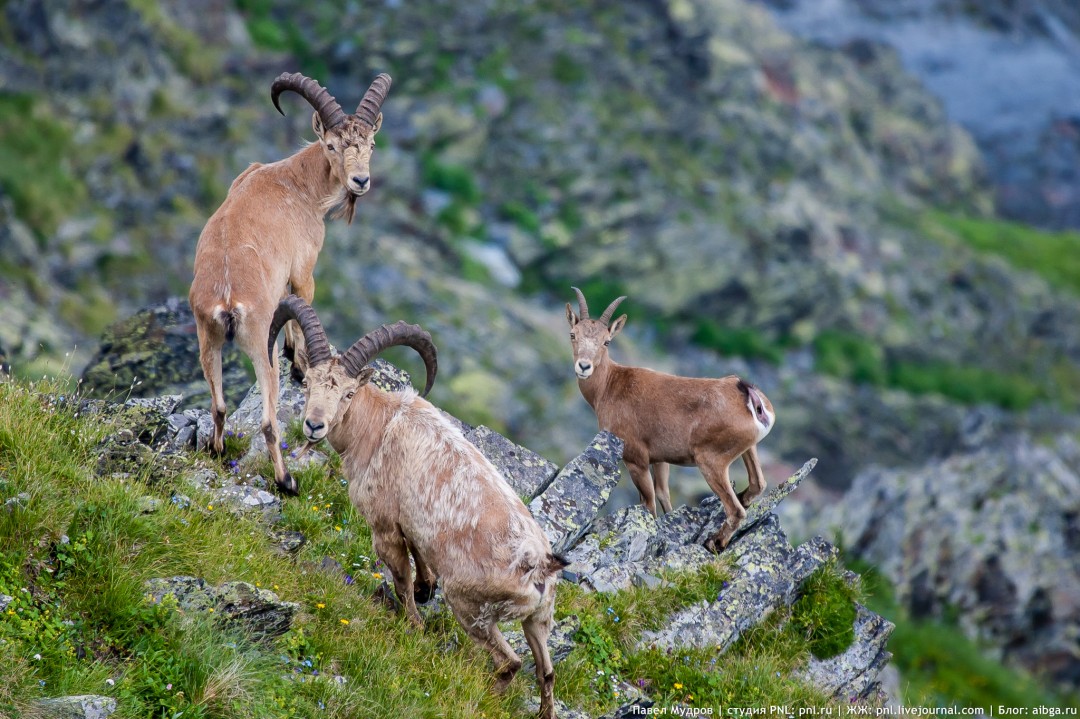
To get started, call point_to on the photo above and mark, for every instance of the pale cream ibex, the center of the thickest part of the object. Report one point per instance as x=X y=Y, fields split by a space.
x=664 y=419
x=265 y=238
x=425 y=490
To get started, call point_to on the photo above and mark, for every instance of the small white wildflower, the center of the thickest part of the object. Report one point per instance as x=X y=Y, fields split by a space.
x=110 y=682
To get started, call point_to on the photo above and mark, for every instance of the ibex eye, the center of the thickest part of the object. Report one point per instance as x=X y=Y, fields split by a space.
x=331 y=148
x=607 y=342
x=573 y=336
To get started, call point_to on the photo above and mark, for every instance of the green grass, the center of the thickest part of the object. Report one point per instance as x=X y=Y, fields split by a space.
x=454 y=179
x=735 y=341
x=825 y=613
x=34 y=167
x=1055 y=256
x=858 y=359
x=851 y=357
x=76 y=551
x=969 y=385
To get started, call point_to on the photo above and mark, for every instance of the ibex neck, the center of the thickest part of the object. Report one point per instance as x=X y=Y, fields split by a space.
x=594 y=388
x=359 y=432
x=310 y=173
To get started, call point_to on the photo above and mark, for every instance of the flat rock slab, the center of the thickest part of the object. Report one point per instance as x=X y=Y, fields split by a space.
x=85 y=706
x=763 y=578
x=526 y=471
x=574 y=498
x=259 y=611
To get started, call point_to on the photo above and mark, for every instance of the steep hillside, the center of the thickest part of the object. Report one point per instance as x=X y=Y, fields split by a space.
x=754 y=196
x=1007 y=70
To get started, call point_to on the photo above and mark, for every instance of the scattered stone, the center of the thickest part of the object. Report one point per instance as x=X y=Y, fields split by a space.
x=5 y=600
x=86 y=706
x=149 y=505
x=646 y=580
x=288 y=541
x=123 y=454
x=330 y=566
x=258 y=611
x=203 y=479
x=243 y=499
x=574 y=498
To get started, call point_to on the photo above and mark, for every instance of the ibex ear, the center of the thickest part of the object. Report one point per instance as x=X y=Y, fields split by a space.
x=365 y=376
x=570 y=316
x=316 y=125
x=616 y=326
x=378 y=124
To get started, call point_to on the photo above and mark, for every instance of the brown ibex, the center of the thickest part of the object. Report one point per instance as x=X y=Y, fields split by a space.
x=425 y=490
x=265 y=239
x=664 y=419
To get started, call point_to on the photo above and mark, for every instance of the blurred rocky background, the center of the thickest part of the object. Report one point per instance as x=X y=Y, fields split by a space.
x=860 y=206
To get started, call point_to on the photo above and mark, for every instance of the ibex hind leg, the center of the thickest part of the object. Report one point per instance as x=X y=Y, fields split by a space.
x=485 y=632
x=424 y=586
x=394 y=552
x=211 y=340
x=253 y=342
x=537 y=629
x=714 y=467
x=755 y=476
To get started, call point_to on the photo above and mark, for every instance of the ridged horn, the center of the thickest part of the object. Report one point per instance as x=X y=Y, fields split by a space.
x=315 y=342
x=371 y=103
x=606 y=317
x=367 y=347
x=320 y=98
x=583 y=306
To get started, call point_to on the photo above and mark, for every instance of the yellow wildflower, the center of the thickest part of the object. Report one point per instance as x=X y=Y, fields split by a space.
x=320 y=605
x=344 y=621
x=678 y=686
x=376 y=575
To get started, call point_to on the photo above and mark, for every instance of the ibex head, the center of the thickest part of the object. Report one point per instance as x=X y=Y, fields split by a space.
x=590 y=338
x=347 y=140
x=331 y=382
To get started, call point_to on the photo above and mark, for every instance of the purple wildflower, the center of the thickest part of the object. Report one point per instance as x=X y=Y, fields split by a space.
x=349 y=579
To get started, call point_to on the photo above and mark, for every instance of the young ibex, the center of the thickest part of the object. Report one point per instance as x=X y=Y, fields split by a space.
x=425 y=490
x=265 y=238
x=664 y=419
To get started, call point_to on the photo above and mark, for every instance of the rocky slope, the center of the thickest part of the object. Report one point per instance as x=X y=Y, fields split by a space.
x=615 y=552
x=1006 y=71
x=988 y=537
x=525 y=150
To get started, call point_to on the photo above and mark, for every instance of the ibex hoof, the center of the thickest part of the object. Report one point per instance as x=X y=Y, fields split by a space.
x=288 y=486
x=423 y=593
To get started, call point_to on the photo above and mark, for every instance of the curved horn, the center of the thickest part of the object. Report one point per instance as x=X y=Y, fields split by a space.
x=320 y=98
x=294 y=308
x=368 y=109
x=606 y=317
x=367 y=347
x=583 y=306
